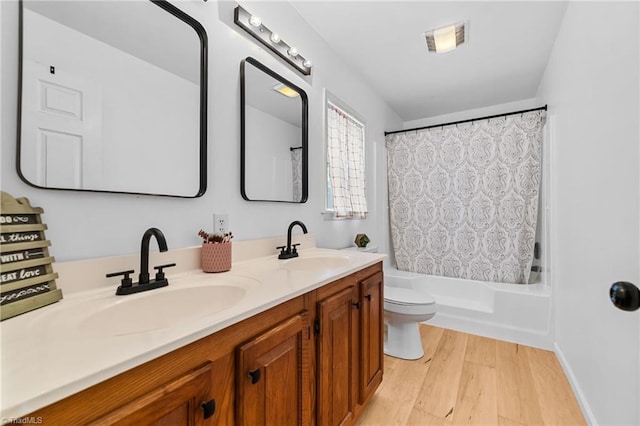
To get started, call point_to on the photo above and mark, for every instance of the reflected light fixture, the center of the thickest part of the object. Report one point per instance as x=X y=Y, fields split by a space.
x=447 y=38
x=254 y=26
x=256 y=21
x=285 y=90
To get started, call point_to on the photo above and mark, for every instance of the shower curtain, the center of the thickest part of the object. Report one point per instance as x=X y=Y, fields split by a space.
x=463 y=199
x=296 y=165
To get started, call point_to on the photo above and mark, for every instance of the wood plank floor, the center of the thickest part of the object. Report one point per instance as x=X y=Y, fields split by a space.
x=473 y=380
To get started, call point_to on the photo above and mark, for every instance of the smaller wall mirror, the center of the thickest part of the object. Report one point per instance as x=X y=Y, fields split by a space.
x=274 y=133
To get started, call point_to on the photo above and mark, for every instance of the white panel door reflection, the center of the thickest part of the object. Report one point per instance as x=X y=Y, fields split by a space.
x=62 y=128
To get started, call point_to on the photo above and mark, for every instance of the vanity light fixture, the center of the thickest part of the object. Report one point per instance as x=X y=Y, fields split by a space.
x=254 y=26
x=256 y=21
x=285 y=90
x=447 y=38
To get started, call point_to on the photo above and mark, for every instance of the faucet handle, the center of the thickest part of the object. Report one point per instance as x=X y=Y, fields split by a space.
x=294 y=248
x=126 y=279
x=160 y=270
x=282 y=249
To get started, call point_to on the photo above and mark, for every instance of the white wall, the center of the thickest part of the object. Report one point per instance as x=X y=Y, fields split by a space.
x=591 y=86
x=85 y=225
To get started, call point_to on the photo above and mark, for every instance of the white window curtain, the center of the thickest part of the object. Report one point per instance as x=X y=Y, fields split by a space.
x=463 y=200
x=345 y=158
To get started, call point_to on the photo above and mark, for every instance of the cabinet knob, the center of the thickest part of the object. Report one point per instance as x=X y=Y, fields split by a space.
x=356 y=304
x=368 y=297
x=209 y=408
x=255 y=376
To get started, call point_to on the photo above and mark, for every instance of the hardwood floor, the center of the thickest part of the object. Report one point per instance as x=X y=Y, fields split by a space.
x=473 y=380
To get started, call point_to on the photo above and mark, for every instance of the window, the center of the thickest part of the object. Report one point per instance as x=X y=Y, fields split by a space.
x=345 y=163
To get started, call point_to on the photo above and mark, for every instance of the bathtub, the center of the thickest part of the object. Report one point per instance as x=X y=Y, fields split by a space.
x=511 y=312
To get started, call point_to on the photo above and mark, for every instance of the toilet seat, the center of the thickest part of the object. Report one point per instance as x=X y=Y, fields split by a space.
x=407 y=296
x=407 y=301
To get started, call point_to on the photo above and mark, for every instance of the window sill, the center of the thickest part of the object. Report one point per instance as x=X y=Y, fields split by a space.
x=330 y=215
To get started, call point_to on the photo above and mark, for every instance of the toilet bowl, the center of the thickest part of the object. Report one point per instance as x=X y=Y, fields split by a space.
x=404 y=309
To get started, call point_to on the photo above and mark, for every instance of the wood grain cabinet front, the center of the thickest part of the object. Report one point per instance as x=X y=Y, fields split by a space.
x=371 y=335
x=273 y=371
x=184 y=401
x=337 y=357
x=350 y=327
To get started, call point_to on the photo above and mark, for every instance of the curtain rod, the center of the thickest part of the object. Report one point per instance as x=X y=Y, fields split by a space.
x=467 y=121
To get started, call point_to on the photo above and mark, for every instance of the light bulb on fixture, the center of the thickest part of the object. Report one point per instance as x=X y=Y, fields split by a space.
x=255 y=26
x=256 y=21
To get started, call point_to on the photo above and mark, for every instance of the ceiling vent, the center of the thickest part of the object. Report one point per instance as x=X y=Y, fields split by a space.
x=447 y=38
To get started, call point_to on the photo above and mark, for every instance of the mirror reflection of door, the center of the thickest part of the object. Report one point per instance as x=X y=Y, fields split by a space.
x=274 y=136
x=63 y=118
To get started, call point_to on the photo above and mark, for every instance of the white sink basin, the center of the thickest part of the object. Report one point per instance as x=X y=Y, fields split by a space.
x=316 y=262
x=105 y=314
x=152 y=311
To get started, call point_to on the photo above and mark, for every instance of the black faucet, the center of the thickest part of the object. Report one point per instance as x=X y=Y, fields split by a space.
x=289 y=251
x=143 y=278
x=144 y=284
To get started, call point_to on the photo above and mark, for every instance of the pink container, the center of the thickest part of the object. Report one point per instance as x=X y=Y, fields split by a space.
x=216 y=257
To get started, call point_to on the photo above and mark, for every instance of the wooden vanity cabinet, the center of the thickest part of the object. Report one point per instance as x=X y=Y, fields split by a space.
x=337 y=349
x=371 y=335
x=315 y=359
x=182 y=401
x=349 y=324
x=273 y=372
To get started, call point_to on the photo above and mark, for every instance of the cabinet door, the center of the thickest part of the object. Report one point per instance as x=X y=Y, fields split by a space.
x=183 y=401
x=371 y=335
x=273 y=371
x=337 y=349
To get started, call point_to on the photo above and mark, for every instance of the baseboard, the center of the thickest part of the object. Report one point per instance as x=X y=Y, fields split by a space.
x=577 y=390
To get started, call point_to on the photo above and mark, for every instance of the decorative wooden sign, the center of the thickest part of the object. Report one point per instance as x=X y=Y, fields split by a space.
x=27 y=280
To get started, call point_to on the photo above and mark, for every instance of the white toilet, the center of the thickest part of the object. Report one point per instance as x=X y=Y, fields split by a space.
x=404 y=309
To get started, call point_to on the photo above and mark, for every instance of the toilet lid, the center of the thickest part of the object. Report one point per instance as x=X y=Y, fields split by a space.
x=407 y=296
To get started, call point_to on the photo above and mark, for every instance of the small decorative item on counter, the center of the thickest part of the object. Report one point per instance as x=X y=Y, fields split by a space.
x=362 y=240
x=216 y=251
x=26 y=272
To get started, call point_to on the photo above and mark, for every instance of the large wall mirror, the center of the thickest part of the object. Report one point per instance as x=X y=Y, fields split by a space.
x=274 y=133
x=113 y=97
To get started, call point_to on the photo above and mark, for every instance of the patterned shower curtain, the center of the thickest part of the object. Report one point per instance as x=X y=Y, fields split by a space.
x=296 y=174
x=463 y=200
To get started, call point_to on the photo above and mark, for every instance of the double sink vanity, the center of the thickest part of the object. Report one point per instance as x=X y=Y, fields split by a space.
x=295 y=341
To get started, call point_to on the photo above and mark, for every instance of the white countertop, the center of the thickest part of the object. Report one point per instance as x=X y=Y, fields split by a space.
x=59 y=350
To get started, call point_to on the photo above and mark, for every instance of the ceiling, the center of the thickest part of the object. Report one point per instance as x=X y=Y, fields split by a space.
x=503 y=60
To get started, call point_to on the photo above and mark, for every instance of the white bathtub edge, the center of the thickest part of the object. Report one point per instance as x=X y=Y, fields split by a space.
x=523 y=336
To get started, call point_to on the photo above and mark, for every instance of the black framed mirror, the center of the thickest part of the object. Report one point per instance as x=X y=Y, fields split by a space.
x=273 y=136
x=113 y=98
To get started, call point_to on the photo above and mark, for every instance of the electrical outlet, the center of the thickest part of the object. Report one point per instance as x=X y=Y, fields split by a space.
x=220 y=223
